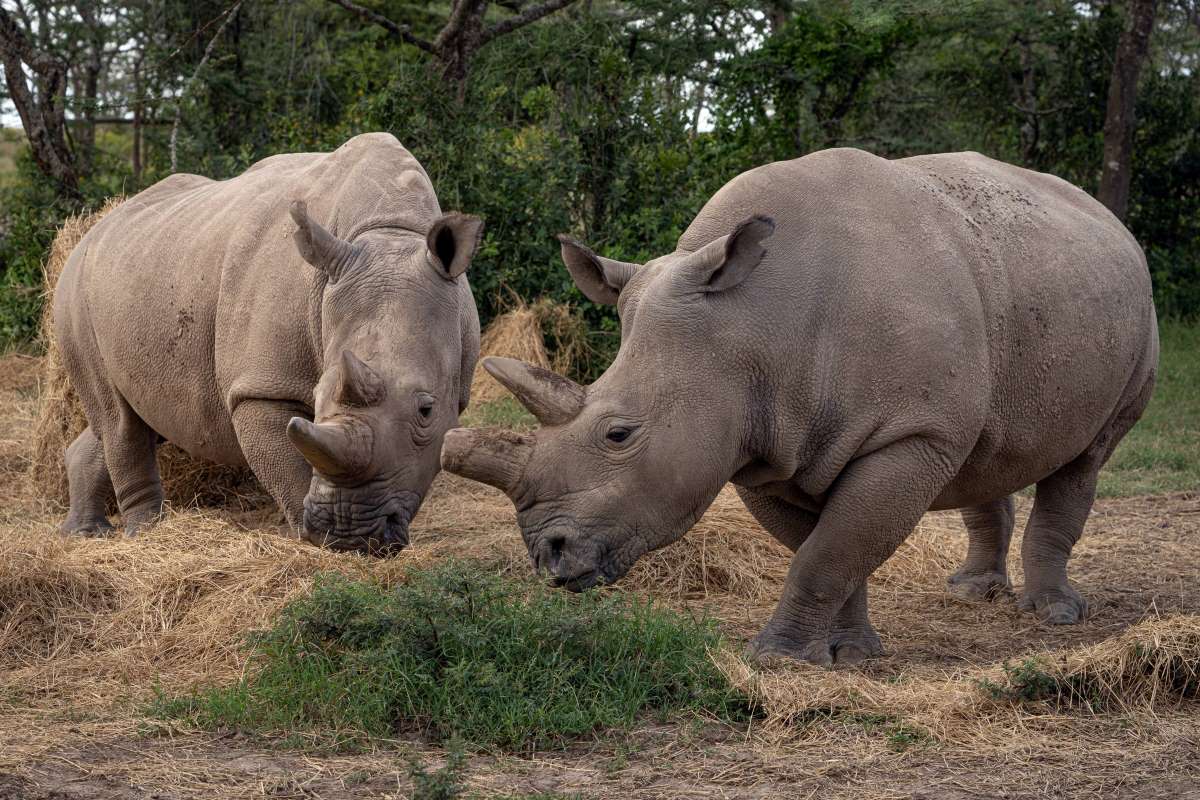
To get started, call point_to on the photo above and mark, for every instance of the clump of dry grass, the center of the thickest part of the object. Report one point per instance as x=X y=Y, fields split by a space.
x=726 y=554
x=1154 y=662
x=521 y=333
x=186 y=481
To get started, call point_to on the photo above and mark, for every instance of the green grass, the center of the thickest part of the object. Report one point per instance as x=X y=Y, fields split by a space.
x=503 y=413
x=458 y=653
x=1162 y=452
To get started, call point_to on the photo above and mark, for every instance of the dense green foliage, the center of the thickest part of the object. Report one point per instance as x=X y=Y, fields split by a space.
x=457 y=651
x=615 y=121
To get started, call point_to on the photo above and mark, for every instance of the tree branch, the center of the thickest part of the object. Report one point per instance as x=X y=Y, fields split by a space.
x=229 y=15
x=402 y=32
x=41 y=107
x=532 y=14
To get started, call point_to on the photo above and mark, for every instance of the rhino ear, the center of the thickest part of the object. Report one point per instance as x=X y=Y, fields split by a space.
x=600 y=279
x=452 y=241
x=729 y=260
x=319 y=247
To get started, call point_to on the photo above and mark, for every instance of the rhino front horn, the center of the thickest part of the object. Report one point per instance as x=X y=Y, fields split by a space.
x=550 y=397
x=333 y=449
x=497 y=458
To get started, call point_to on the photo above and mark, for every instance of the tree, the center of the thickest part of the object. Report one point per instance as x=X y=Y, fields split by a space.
x=464 y=32
x=42 y=104
x=1122 y=97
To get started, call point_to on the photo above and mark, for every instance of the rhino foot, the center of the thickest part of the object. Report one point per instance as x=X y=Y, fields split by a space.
x=140 y=520
x=1059 y=605
x=978 y=585
x=86 y=527
x=851 y=646
x=845 y=646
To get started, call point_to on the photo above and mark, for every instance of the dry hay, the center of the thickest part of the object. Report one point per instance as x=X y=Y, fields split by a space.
x=1154 y=662
x=521 y=333
x=186 y=481
x=726 y=553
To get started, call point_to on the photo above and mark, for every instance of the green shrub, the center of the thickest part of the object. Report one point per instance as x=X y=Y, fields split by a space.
x=459 y=652
x=1027 y=681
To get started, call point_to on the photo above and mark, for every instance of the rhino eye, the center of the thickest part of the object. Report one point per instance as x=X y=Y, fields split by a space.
x=618 y=435
x=425 y=406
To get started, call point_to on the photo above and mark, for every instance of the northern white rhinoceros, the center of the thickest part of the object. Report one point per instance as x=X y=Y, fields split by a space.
x=189 y=314
x=851 y=341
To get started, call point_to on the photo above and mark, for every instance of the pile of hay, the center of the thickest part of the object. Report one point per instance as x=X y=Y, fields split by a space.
x=522 y=333
x=1152 y=663
x=726 y=553
x=186 y=481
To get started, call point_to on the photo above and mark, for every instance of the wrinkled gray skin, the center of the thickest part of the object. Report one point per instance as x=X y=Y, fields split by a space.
x=220 y=316
x=851 y=341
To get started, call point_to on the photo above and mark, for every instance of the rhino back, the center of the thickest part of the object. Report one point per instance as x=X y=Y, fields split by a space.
x=1001 y=310
x=195 y=293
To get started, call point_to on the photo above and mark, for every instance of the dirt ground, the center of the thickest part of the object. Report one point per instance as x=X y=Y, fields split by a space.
x=89 y=629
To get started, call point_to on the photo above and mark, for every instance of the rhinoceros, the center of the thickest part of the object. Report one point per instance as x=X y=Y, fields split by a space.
x=851 y=341
x=222 y=317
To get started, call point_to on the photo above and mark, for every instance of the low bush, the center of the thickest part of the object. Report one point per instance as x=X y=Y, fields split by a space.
x=458 y=652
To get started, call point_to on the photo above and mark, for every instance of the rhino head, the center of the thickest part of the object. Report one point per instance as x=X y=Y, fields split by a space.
x=627 y=465
x=400 y=336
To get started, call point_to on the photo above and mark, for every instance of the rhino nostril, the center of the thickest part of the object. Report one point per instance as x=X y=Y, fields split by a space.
x=554 y=546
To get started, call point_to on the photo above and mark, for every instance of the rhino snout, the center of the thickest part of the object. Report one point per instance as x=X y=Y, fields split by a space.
x=571 y=564
x=351 y=520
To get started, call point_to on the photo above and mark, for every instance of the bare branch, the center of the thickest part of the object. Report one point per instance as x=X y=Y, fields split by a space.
x=229 y=15
x=532 y=14
x=402 y=32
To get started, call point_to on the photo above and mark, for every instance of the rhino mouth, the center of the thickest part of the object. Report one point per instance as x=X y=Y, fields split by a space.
x=351 y=520
x=580 y=582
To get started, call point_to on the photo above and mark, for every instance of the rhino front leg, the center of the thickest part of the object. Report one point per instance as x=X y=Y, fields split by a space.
x=984 y=574
x=852 y=638
x=261 y=427
x=877 y=501
x=89 y=486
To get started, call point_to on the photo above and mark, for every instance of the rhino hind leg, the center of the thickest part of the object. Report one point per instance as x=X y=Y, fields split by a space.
x=89 y=485
x=851 y=638
x=1060 y=509
x=984 y=573
x=129 y=453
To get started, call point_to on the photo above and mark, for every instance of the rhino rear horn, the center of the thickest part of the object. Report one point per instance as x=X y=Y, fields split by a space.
x=335 y=450
x=358 y=384
x=550 y=397
x=319 y=247
x=497 y=458
x=600 y=279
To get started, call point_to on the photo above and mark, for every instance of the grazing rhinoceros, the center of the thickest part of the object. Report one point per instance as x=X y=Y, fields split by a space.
x=189 y=314
x=852 y=342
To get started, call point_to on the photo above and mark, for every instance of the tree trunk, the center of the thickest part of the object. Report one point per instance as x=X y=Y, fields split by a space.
x=1119 y=115
x=136 y=150
x=42 y=106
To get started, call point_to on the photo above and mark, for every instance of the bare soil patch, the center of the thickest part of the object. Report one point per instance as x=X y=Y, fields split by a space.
x=90 y=627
